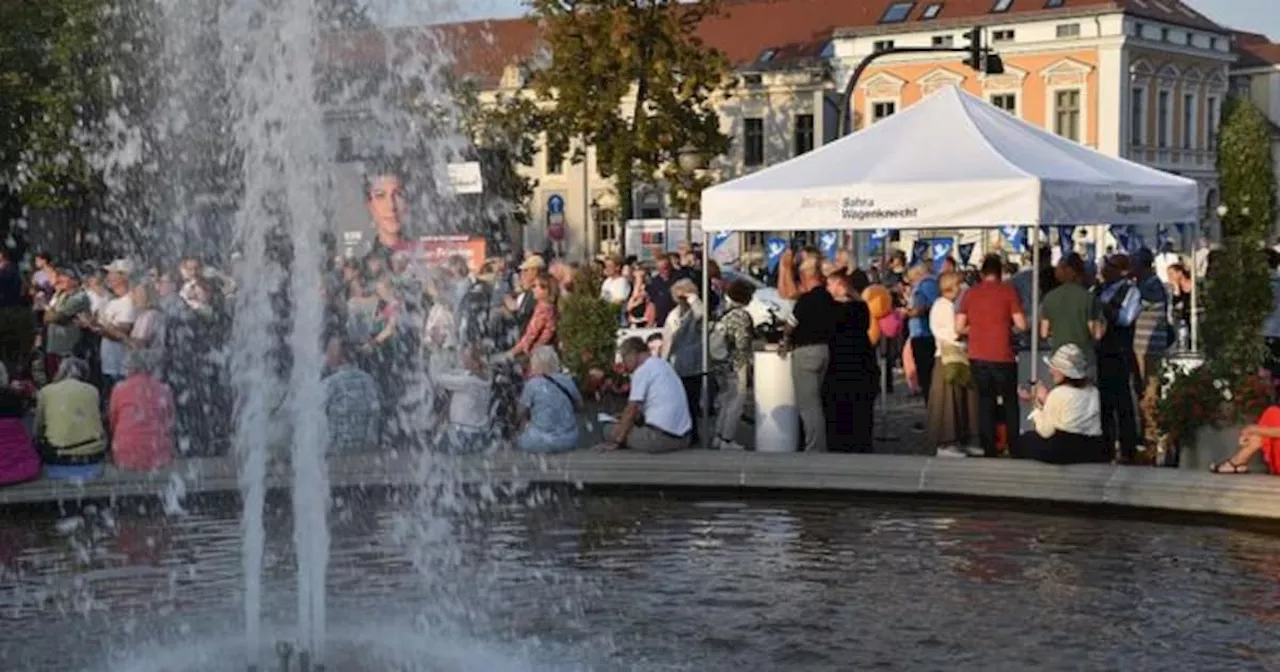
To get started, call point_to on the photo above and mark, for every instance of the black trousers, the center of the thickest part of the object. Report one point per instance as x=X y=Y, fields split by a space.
x=693 y=396
x=1119 y=417
x=997 y=384
x=923 y=350
x=1061 y=448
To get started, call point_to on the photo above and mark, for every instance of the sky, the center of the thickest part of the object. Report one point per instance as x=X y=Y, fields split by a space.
x=1259 y=16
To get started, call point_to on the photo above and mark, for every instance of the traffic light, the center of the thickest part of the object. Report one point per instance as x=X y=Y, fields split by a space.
x=974 y=38
x=980 y=57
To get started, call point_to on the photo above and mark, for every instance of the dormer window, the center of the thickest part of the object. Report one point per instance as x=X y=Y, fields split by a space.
x=1001 y=6
x=897 y=12
x=1053 y=4
x=932 y=11
x=767 y=55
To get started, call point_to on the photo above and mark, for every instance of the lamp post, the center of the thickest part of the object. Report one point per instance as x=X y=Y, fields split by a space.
x=691 y=160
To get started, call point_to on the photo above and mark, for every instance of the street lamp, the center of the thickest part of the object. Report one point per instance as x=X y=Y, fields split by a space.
x=691 y=160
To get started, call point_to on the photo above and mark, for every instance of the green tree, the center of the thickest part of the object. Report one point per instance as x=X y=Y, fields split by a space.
x=633 y=79
x=1238 y=290
x=506 y=127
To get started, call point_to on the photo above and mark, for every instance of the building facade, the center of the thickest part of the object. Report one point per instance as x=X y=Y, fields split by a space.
x=1141 y=80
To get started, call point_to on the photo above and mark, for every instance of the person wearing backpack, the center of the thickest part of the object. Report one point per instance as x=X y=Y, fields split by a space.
x=731 y=357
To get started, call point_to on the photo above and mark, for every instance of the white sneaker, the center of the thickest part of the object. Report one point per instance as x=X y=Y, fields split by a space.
x=726 y=444
x=975 y=451
x=952 y=451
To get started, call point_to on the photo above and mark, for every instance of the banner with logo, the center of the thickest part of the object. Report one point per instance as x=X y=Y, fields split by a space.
x=919 y=249
x=1121 y=232
x=1162 y=236
x=437 y=249
x=877 y=240
x=1067 y=238
x=966 y=252
x=829 y=243
x=774 y=248
x=1016 y=236
x=726 y=247
x=941 y=248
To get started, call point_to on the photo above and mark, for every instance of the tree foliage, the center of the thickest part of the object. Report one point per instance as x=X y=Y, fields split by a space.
x=508 y=127
x=1246 y=171
x=633 y=79
x=1238 y=295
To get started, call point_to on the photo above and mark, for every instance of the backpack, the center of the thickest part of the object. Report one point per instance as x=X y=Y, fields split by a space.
x=718 y=340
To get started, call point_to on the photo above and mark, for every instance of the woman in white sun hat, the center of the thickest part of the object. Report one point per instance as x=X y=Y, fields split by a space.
x=1068 y=417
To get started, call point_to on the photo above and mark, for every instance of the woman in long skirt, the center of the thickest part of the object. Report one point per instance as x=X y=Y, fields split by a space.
x=953 y=398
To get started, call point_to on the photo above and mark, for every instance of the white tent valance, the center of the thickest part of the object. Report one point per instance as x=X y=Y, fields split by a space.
x=950 y=161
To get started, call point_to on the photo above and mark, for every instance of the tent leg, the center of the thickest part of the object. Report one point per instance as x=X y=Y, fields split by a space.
x=1195 y=285
x=1034 y=328
x=705 y=430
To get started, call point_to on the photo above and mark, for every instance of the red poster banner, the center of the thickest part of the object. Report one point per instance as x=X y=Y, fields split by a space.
x=437 y=249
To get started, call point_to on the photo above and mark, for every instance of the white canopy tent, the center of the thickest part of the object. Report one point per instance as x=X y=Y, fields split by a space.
x=951 y=161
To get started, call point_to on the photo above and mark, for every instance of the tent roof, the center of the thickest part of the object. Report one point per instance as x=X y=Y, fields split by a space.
x=949 y=161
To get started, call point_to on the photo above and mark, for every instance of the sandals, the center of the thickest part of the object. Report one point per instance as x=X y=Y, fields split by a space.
x=1229 y=468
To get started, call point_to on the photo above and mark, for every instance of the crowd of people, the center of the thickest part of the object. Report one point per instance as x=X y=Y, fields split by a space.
x=130 y=365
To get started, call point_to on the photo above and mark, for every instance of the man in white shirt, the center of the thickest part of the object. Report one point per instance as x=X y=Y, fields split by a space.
x=115 y=322
x=656 y=419
x=615 y=289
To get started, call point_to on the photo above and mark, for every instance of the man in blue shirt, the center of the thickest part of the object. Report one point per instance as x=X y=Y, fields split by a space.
x=924 y=291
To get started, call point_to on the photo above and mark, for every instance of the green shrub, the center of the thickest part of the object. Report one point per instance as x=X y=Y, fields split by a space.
x=588 y=330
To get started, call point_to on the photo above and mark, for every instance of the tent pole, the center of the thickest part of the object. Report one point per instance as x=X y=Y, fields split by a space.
x=1195 y=282
x=1034 y=327
x=705 y=432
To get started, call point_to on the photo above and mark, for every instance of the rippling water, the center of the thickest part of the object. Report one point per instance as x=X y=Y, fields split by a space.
x=644 y=583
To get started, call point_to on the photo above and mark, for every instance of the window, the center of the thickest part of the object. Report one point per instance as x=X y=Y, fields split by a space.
x=1052 y=4
x=555 y=161
x=1066 y=114
x=1138 y=27
x=803 y=138
x=882 y=110
x=882 y=45
x=1001 y=5
x=1211 y=122
x=944 y=40
x=931 y=12
x=1068 y=30
x=753 y=79
x=1213 y=43
x=1188 y=121
x=1006 y=101
x=1138 y=116
x=897 y=12
x=1002 y=35
x=1164 y=34
x=767 y=55
x=1164 y=118
x=753 y=142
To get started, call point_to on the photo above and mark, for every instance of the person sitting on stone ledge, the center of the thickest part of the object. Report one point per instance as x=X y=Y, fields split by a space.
x=19 y=461
x=1068 y=418
x=352 y=404
x=656 y=419
x=548 y=406
x=70 y=437
x=470 y=388
x=1263 y=437
x=141 y=415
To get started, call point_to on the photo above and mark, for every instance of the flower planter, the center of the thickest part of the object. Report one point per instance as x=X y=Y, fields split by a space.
x=1211 y=445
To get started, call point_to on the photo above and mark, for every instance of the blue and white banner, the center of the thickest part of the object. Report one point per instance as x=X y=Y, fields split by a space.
x=1182 y=236
x=1067 y=238
x=726 y=247
x=1121 y=232
x=829 y=243
x=1162 y=236
x=774 y=249
x=1043 y=238
x=966 y=252
x=918 y=250
x=1016 y=236
x=877 y=240
x=941 y=248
